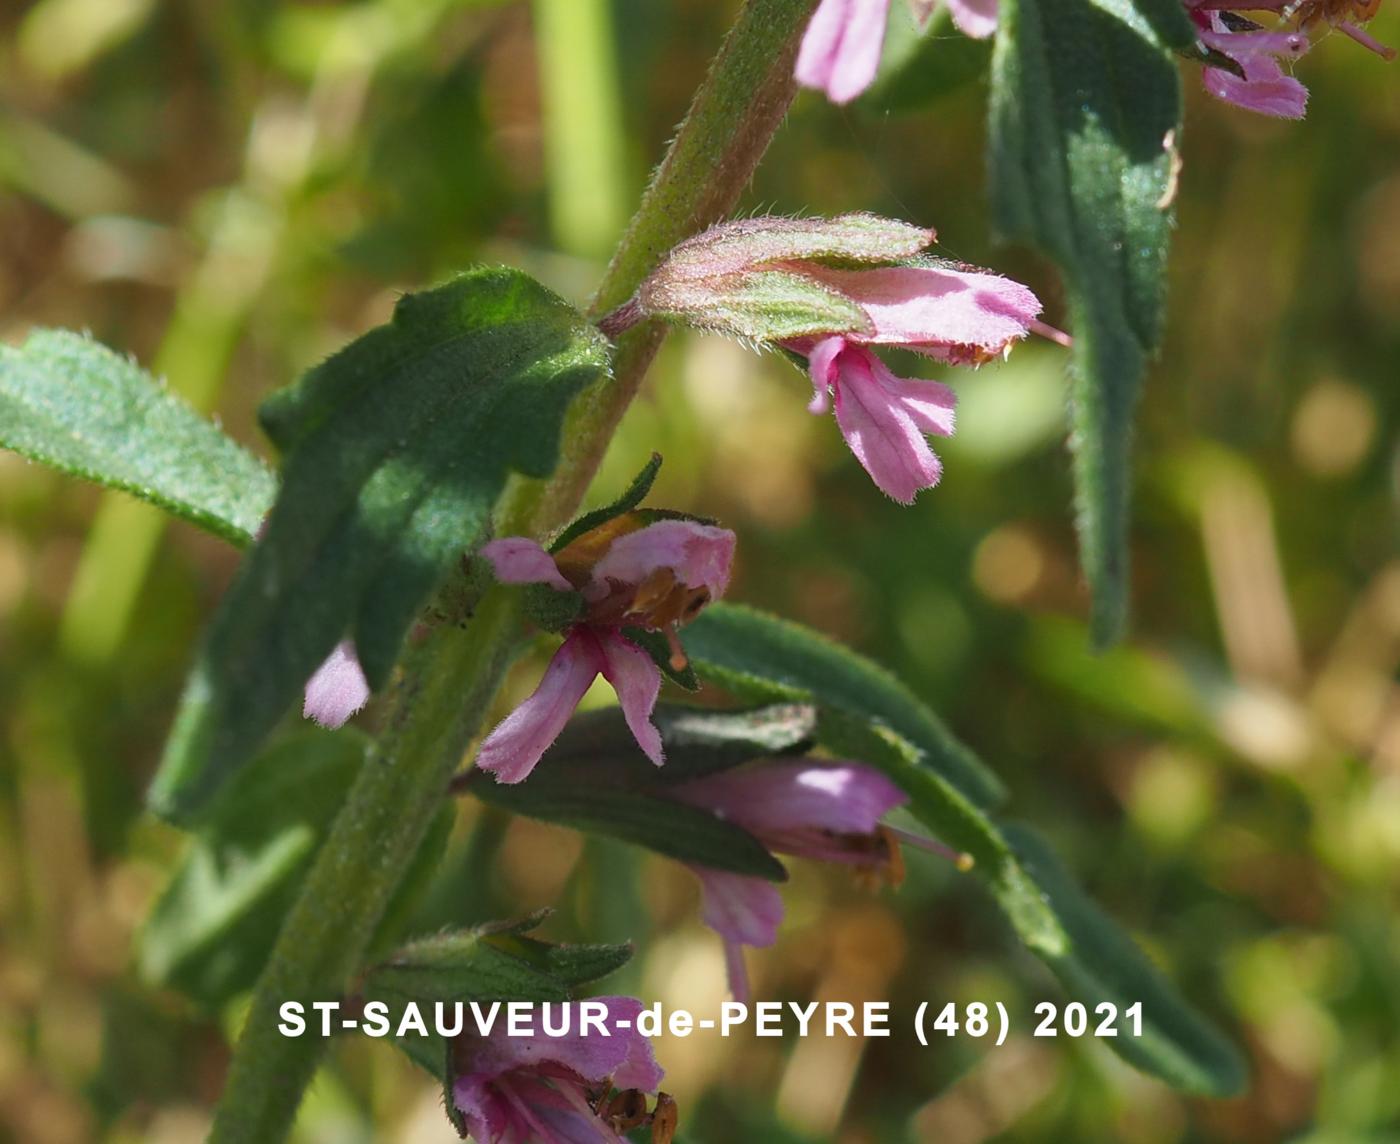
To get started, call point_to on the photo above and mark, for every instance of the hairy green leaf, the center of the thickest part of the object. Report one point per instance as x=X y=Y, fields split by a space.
x=1085 y=119
x=396 y=450
x=762 y=658
x=1104 y=964
x=72 y=403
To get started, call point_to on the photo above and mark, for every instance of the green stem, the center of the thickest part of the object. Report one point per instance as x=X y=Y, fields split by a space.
x=450 y=679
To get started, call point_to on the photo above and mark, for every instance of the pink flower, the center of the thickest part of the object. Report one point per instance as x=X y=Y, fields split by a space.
x=824 y=289
x=654 y=577
x=829 y=811
x=526 y=1090
x=841 y=48
x=337 y=689
x=975 y=18
x=883 y=417
x=952 y=315
x=1263 y=86
x=840 y=51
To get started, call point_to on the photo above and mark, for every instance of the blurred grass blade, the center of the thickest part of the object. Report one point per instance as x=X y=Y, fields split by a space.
x=71 y=403
x=1085 y=115
x=584 y=151
x=1104 y=964
x=212 y=928
x=921 y=66
x=760 y=657
x=210 y=311
x=396 y=450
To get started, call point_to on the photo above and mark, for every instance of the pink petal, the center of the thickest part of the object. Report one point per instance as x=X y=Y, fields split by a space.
x=922 y=11
x=931 y=405
x=975 y=18
x=954 y=315
x=1266 y=89
x=737 y=971
x=337 y=689
x=1241 y=45
x=511 y=751
x=519 y=560
x=488 y=1113
x=637 y=681
x=822 y=363
x=624 y=1054
x=880 y=429
x=799 y=794
x=739 y=908
x=700 y=555
x=840 y=51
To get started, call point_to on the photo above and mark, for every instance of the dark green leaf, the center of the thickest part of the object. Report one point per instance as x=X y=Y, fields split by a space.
x=396 y=450
x=574 y=965
x=763 y=658
x=1054 y=919
x=69 y=402
x=214 y=926
x=1104 y=964
x=595 y=778
x=1085 y=116
x=955 y=821
x=698 y=742
x=683 y=832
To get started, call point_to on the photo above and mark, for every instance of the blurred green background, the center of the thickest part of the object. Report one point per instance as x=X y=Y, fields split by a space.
x=228 y=191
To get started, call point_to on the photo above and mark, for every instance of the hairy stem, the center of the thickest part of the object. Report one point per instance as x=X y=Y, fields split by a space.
x=449 y=680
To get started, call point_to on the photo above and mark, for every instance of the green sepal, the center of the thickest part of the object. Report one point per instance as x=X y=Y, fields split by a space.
x=486 y=965
x=635 y=494
x=659 y=649
x=764 y=307
x=550 y=609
